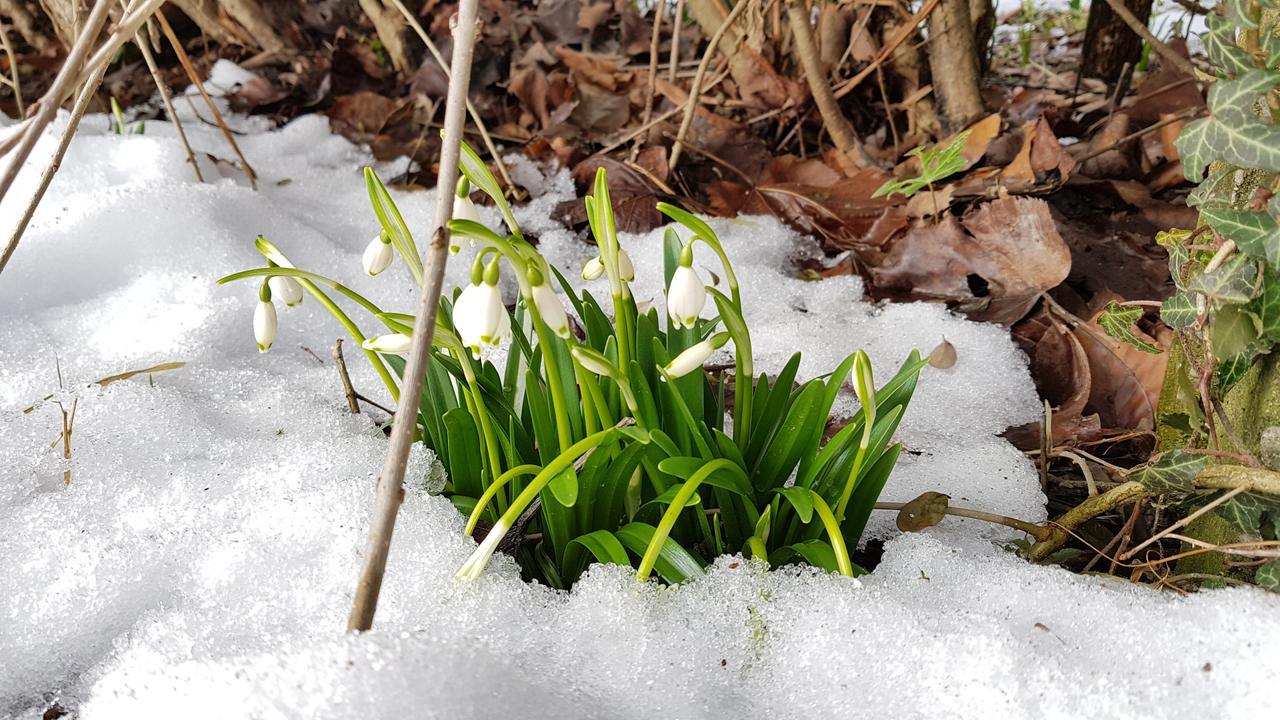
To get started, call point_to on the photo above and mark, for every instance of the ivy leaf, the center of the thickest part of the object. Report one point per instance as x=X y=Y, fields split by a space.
x=1241 y=13
x=1236 y=281
x=1256 y=233
x=1175 y=243
x=1224 y=52
x=1234 y=132
x=1268 y=576
x=1244 y=512
x=1267 y=306
x=1117 y=321
x=1216 y=190
x=1169 y=477
x=1179 y=312
x=1232 y=370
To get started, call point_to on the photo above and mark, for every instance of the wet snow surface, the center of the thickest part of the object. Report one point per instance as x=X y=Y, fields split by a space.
x=202 y=560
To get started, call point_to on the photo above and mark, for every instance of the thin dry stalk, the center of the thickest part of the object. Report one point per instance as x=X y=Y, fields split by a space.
x=15 y=82
x=471 y=108
x=695 y=90
x=837 y=125
x=673 y=60
x=390 y=492
x=905 y=32
x=217 y=114
x=145 y=48
x=62 y=86
x=77 y=112
x=651 y=90
x=340 y=362
x=1168 y=532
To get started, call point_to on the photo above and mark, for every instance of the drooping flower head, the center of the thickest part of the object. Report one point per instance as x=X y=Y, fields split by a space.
x=687 y=295
x=479 y=315
x=548 y=303
x=378 y=254
x=264 y=319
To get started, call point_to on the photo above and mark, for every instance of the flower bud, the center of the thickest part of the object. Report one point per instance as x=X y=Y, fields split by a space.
x=551 y=309
x=693 y=356
x=592 y=269
x=264 y=323
x=625 y=267
x=464 y=209
x=378 y=254
x=389 y=344
x=289 y=290
x=594 y=362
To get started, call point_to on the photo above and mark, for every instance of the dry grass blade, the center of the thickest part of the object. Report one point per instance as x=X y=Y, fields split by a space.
x=145 y=48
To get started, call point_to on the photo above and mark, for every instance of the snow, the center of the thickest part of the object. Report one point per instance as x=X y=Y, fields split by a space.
x=201 y=562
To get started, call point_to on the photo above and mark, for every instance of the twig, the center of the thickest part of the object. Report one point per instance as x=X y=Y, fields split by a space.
x=1183 y=522
x=695 y=90
x=904 y=32
x=1140 y=28
x=390 y=492
x=62 y=86
x=471 y=108
x=673 y=61
x=144 y=46
x=195 y=80
x=842 y=133
x=1084 y=469
x=341 y=363
x=1188 y=114
x=14 y=80
x=651 y=90
x=55 y=162
x=374 y=403
x=1039 y=532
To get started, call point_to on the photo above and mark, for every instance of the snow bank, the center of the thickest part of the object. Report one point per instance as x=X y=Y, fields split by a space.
x=201 y=562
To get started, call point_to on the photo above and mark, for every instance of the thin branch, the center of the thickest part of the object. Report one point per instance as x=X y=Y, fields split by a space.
x=390 y=491
x=1183 y=522
x=695 y=90
x=673 y=61
x=905 y=32
x=651 y=90
x=195 y=80
x=1039 y=532
x=341 y=363
x=842 y=133
x=14 y=80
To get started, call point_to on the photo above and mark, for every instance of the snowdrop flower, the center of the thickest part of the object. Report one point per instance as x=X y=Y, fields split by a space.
x=264 y=319
x=389 y=344
x=625 y=266
x=687 y=294
x=474 y=565
x=287 y=288
x=594 y=362
x=479 y=315
x=693 y=356
x=464 y=209
x=548 y=304
x=592 y=269
x=378 y=255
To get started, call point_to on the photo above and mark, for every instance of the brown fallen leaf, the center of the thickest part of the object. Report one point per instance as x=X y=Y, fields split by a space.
x=923 y=512
x=943 y=356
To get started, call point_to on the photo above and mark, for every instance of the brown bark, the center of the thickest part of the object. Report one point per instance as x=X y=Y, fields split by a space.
x=1109 y=43
x=983 y=15
x=953 y=61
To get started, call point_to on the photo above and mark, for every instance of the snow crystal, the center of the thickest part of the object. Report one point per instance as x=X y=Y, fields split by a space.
x=202 y=559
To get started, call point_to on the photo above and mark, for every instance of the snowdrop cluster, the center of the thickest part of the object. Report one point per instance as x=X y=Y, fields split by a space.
x=598 y=431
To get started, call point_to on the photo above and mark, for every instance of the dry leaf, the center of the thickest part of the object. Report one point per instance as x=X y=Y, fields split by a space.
x=924 y=512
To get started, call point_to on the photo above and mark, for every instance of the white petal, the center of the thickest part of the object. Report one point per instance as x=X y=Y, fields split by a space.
x=465 y=316
x=389 y=344
x=686 y=297
x=474 y=565
x=551 y=309
x=264 y=324
x=691 y=359
x=287 y=289
x=592 y=269
x=625 y=266
x=377 y=256
x=464 y=209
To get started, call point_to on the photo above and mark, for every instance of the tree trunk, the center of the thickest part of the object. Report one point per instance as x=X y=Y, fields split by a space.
x=983 y=15
x=953 y=62
x=1108 y=42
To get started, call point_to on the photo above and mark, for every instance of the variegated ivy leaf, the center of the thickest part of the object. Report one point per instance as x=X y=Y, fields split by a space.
x=1179 y=312
x=1268 y=576
x=1242 y=13
x=1267 y=306
x=1117 y=321
x=1169 y=477
x=1217 y=190
x=1231 y=371
x=1237 y=341
x=1224 y=52
x=1234 y=132
x=1175 y=243
x=1244 y=512
x=1255 y=233
x=1236 y=281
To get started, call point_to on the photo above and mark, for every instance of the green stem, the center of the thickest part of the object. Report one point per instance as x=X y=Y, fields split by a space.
x=564 y=431
x=493 y=489
x=481 y=414
x=672 y=514
x=843 y=564
x=551 y=470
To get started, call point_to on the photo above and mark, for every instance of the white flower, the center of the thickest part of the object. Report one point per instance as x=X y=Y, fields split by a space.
x=551 y=309
x=480 y=317
x=287 y=288
x=464 y=209
x=685 y=297
x=264 y=324
x=693 y=356
x=594 y=362
x=389 y=344
x=625 y=267
x=474 y=565
x=592 y=269
x=378 y=254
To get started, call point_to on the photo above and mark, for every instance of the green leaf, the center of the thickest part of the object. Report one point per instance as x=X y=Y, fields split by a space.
x=674 y=563
x=478 y=173
x=464 y=452
x=1266 y=307
x=602 y=544
x=1256 y=233
x=814 y=552
x=1169 y=477
x=1268 y=576
x=802 y=500
x=1223 y=50
x=1179 y=312
x=565 y=487
x=1117 y=321
x=1242 y=13
x=733 y=479
x=1234 y=132
x=669 y=496
x=1236 y=281
x=1244 y=512
x=393 y=223
x=936 y=163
